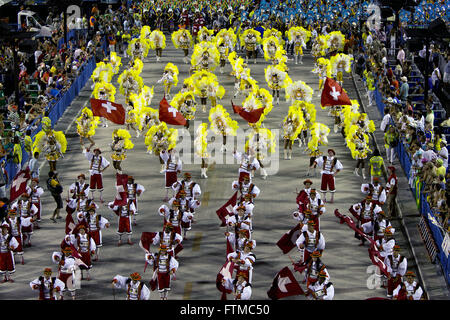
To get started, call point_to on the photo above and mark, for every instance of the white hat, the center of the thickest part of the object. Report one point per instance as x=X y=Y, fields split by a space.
x=384 y=60
x=390 y=100
x=404 y=79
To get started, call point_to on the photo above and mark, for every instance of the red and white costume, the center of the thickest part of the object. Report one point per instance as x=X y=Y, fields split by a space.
x=97 y=164
x=396 y=265
x=242 y=291
x=95 y=225
x=312 y=241
x=245 y=188
x=77 y=206
x=239 y=222
x=408 y=291
x=85 y=246
x=26 y=210
x=379 y=225
x=173 y=166
x=66 y=271
x=7 y=244
x=134 y=190
x=193 y=190
x=163 y=263
x=385 y=246
x=378 y=192
x=248 y=204
x=172 y=216
x=317 y=207
x=136 y=290
x=125 y=214
x=188 y=208
x=47 y=287
x=365 y=211
x=322 y=291
x=247 y=164
x=35 y=194
x=77 y=188
x=244 y=264
x=15 y=229
x=329 y=166
x=303 y=198
x=170 y=239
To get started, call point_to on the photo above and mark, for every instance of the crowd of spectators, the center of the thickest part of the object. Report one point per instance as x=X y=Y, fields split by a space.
x=408 y=118
x=48 y=70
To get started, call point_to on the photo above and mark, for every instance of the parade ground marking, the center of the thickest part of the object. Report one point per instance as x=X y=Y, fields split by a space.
x=197 y=241
x=205 y=199
x=187 y=291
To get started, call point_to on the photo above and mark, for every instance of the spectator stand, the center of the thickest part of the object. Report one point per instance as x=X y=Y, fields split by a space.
x=440 y=236
x=56 y=107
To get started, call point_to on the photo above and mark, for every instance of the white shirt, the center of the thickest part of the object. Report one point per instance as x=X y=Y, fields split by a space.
x=385 y=122
x=401 y=56
x=443 y=154
x=122 y=283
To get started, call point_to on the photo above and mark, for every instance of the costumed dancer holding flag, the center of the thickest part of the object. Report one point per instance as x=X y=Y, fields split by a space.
x=165 y=267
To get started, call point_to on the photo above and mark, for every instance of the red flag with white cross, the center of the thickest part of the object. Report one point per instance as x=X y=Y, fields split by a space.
x=121 y=190
x=288 y=240
x=227 y=209
x=114 y=112
x=333 y=94
x=169 y=114
x=284 y=285
x=19 y=184
x=250 y=116
x=226 y=272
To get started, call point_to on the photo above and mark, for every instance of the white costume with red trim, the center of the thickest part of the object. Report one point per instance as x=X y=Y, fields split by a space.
x=136 y=290
x=242 y=291
x=35 y=194
x=96 y=165
x=7 y=244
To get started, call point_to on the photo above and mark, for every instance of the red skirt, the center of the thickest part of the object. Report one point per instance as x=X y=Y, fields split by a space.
x=96 y=236
x=86 y=258
x=163 y=280
x=124 y=225
x=64 y=277
x=19 y=248
x=7 y=262
x=28 y=229
x=186 y=225
x=171 y=178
